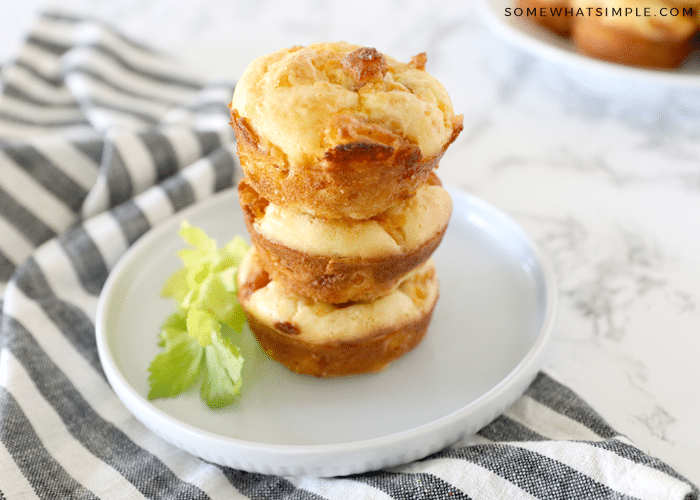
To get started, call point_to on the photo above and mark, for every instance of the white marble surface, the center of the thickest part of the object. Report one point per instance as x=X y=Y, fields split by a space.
x=604 y=175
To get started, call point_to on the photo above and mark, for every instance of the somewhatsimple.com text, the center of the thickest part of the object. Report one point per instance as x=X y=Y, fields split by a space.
x=598 y=12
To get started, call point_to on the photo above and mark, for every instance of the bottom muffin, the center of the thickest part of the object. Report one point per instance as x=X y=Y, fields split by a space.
x=331 y=340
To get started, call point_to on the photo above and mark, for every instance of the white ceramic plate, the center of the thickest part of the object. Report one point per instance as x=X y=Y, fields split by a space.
x=484 y=347
x=537 y=40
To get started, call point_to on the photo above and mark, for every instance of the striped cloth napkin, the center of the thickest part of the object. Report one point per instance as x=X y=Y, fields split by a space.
x=100 y=140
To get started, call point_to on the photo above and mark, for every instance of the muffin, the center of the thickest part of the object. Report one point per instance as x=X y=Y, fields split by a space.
x=330 y=340
x=632 y=33
x=338 y=145
x=340 y=131
x=560 y=24
x=652 y=41
x=338 y=261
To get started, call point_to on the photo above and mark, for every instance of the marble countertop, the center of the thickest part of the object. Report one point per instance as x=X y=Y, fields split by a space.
x=603 y=173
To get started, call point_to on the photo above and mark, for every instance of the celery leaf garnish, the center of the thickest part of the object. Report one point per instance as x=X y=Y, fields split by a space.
x=197 y=339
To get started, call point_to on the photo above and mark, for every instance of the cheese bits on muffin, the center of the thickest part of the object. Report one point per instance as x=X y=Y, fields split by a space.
x=338 y=260
x=339 y=144
x=340 y=131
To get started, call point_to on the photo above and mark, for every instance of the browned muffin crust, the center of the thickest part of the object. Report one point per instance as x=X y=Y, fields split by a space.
x=359 y=178
x=334 y=279
x=559 y=24
x=284 y=341
x=627 y=45
x=643 y=37
x=339 y=359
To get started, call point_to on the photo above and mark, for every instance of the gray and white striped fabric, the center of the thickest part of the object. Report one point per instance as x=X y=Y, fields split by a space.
x=100 y=140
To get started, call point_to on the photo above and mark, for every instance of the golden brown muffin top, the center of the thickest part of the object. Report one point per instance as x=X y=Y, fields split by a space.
x=299 y=99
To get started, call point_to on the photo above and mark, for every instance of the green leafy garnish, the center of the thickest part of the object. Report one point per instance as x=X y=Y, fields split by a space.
x=196 y=339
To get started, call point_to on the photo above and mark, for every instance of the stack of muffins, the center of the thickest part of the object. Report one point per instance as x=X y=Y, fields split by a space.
x=338 y=144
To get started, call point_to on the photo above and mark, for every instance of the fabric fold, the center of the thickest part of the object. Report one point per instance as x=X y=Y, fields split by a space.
x=88 y=120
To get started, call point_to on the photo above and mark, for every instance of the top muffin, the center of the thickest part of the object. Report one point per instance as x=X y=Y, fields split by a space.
x=343 y=120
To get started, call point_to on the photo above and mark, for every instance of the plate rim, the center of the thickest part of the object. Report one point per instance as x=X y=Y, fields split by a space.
x=539 y=46
x=521 y=374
